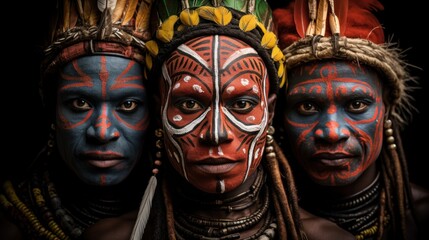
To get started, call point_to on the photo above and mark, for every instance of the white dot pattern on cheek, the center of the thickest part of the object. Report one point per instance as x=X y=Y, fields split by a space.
x=250 y=118
x=244 y=150
x=187 y=78
x=244 y=81
x=177 y=118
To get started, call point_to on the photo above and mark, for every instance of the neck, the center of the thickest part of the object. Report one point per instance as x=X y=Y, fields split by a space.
x=240 y=213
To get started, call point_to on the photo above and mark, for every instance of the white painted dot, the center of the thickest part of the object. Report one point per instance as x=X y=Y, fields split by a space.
x=245 y=81
x=176 y=86
x=230 y=89
x=255 y=89
x=197 y=88
x=187 y=78
x=177 y=118
x=251 y=118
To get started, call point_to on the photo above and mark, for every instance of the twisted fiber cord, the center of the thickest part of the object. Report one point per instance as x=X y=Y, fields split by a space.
x=281 y=225
x=280 y=193
x=382 y=218
x=169 y=211
x=399 y=184
x=403 y=160
x=394 y=188
x=291 y=189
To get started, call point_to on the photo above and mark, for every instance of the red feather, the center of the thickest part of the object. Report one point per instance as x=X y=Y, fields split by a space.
x=301 y=18
x=341 y=10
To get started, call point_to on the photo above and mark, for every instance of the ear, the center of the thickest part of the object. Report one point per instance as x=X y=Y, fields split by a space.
x=272 y=99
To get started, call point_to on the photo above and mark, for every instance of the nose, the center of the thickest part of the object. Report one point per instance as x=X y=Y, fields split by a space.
x=102 y=129
x=214 y=130
x=332 y=130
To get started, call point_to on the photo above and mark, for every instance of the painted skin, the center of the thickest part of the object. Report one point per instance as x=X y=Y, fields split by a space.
x=334 y=120
x=215 y=111
x=102 y=117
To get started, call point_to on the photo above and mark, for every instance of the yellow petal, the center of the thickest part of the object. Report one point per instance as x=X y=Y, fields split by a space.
x=283 y=81
x=168 y=24
x=148 y=60
x=269 y=40
x=181 y=27
x=206 y=12
x=152 y=47
x=277 y=54
x=262 y=27
x=164 y=35
x=189 y=17
x=222 y=16
x=281 y=69
x=248 y=22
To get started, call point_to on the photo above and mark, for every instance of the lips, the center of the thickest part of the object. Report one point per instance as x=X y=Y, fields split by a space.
x=102 y=159
x=333 y=159
x=215 y=165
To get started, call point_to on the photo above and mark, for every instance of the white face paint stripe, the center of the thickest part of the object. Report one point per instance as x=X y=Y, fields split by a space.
x=263 y=125
x=194 y=55
x=216 y=113
x=176 y=145
x=237 y=54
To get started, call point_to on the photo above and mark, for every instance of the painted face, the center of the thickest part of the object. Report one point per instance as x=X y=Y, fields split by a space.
x=334 y=120
x=102 y=117
x=214 y=111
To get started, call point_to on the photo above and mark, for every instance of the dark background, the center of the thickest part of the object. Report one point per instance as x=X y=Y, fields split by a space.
x=24 y=127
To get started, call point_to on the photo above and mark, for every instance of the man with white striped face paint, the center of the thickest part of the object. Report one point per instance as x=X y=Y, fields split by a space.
x=216 y=109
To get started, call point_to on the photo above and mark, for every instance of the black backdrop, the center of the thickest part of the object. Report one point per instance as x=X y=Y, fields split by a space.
x=23 y=125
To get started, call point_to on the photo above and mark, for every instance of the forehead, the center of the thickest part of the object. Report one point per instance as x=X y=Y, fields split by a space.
x=215 y=53
x=334 y=70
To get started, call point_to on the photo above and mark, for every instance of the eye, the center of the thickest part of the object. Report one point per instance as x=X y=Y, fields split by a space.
x=189 y=106
x=128 y=106
x=357 y=106
x=242 y=106
x=80 y=104
x=307 y=108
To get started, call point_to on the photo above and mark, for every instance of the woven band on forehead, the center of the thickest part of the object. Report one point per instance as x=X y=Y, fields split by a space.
x=92 y=48
x=245 y=27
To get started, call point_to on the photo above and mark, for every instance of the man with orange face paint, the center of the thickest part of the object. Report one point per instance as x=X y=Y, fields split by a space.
x=215 y=111
x=347 y=97
x=217 y=68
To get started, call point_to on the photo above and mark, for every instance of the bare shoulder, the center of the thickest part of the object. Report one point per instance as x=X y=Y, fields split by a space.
x=317 y=228
x=8 y=230
x=421 y=204
x=112 y=228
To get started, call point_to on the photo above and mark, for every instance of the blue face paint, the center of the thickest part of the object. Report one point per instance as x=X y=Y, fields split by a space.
x=102 y=117
x=334 y=120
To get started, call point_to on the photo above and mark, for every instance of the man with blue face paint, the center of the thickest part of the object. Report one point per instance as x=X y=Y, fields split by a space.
x=347 y=98
x=97 y=157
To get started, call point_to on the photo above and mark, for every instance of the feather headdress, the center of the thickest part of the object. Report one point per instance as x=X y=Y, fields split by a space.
x=310 y=30
x=247 y=20
x=82 y=27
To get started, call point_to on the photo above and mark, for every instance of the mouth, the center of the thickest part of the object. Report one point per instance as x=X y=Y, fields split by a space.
x=102 y=159
x=216 y=165
x=333 y=159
